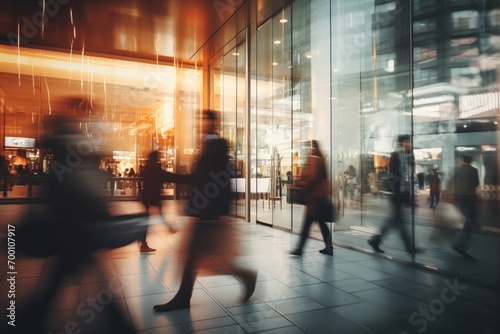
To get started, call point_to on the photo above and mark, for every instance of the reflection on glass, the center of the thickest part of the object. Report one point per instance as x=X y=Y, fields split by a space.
x=360 y=85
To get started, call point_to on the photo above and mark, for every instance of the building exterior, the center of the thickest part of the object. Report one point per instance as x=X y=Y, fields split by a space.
x=351 y=74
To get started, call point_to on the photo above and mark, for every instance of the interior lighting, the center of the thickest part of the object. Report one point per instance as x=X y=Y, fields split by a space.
x=277 y=42
x=274 y=64
x=283 y=20
x=236 y=53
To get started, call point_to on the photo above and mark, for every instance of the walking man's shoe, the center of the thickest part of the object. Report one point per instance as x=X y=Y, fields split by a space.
x=463 y=252
x=327 y=251
x=375 y=246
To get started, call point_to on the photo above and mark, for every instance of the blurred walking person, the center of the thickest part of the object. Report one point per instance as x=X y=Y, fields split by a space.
x=209 y=206
x=434 y=188
x=152 y=177
x=466 y=182
x=70 y=229
x=314 y=190
x=401 y=166
x=350 y=181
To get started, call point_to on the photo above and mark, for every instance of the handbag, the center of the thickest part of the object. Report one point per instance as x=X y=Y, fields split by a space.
x=327 y=210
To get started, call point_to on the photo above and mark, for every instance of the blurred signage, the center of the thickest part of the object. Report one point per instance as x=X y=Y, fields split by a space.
x=20 y=142
x=466 y=148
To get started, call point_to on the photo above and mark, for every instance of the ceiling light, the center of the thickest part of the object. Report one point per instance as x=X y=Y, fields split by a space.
x=277 y=42
x=283 y=20
x=236 y=53
x=274 y=64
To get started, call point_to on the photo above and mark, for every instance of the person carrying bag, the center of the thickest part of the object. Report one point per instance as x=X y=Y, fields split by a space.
x=314 y=193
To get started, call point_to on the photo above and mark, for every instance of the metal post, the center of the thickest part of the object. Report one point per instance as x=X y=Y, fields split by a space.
x=247 y=119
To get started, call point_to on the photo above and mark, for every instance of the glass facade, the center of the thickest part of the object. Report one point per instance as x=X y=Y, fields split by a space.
x=355 y=76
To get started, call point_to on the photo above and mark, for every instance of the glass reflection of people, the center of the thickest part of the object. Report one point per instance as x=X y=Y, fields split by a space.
x=401 y=166
x=434 y=188
x=466 y=182
x=313 y=186
x=209 y=204
x=350 y=181
x=153 y=177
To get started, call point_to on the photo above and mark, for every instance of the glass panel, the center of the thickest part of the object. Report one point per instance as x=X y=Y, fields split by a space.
x=278 y=127
x=273 y=121
x=261 y=122
x=227 y=78
x=241 y=141
x=303 y=56
x=228 y=116
x=456 y=114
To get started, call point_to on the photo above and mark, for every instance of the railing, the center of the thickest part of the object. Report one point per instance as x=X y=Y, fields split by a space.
x=35 y=188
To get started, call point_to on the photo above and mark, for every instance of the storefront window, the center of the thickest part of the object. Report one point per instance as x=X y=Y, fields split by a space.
x=128 y=108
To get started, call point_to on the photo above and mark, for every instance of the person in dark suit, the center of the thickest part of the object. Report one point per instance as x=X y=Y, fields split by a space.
x=209 y=203
x=152 y=177
x=401 y=167
x=466 y=182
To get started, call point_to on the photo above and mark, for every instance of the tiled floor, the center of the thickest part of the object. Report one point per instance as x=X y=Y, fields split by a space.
x=351 y=292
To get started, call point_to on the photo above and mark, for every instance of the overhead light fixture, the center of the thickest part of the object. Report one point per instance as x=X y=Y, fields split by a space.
x=236 y=53
x=283 y=20
x=274 y=64
x=277 y=42
x=308 y=55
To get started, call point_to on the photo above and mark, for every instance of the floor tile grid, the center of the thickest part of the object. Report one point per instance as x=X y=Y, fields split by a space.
x=269 y=304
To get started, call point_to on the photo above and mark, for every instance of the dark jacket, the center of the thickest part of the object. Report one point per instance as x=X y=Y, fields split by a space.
x=398 y=182
x=210 y=178
x=466 y=182
x=153 y=178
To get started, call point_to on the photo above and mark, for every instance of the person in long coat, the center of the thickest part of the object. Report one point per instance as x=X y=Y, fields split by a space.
x=314 y=189
x=210 y=230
